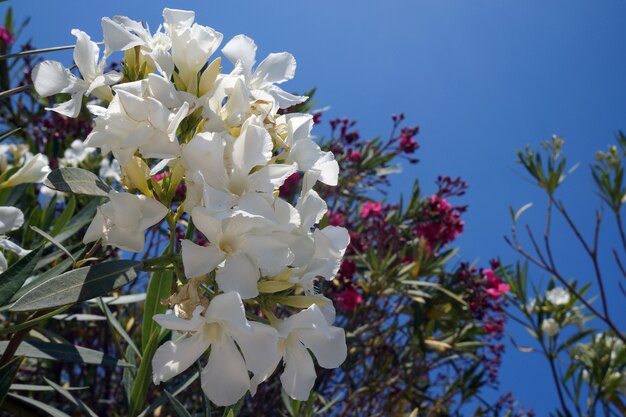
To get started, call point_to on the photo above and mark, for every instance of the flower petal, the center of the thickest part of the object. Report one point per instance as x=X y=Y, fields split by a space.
x=51 y=77
x=241 y=50
x=299 y=375
x=171 y=358
x=173 y=322
x=275 y=69
x=259 y=348
x=252 y=148
x=330 y=352
x=86 y=55
x=11 y=218
x=228 y=310
x=117 y=38
x=225 y=377
x=239 y=274
x=200 y=260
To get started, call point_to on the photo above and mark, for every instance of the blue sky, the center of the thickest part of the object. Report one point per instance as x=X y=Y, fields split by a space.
x=482 y=78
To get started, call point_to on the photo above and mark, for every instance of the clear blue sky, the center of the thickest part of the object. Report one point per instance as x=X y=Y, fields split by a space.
x=481 y=77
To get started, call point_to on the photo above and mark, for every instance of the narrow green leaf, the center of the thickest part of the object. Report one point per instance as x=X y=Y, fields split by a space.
x=30 y=323
x=78 y=285
x=178 y=408
x=76 y=401
x=144 y=375
x=7 y=374
x=65 y=217
x=63 y=353
x=115 y=324
x=77 y=181
x=40 y=405
x=159 y=288
x=31 y=387
x=14 y=277
x=53 y=241
x=177 y=390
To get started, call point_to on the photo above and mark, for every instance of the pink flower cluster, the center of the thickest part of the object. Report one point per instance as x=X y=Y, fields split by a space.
x=371 y=209
x=442 y=222
x=495 y=285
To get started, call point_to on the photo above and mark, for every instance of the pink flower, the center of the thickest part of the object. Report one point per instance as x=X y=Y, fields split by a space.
x=496 y=286
x=371 y=208
x=354 y=156
x=348 y=300
x=6 y=37
x=347 y=269
x=290 y=185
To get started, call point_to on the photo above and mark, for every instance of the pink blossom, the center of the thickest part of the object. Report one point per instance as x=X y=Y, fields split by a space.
x=371 y=208
x=6 y=37
x=348 y=300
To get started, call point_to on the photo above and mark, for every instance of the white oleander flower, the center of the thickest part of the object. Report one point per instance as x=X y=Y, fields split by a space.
x=305 y=331
x=122 y=34
x=276 y=68
x=11 y=219
x=550 y=327
x=224 y=328
x=34 y=170
x=227 y=165
x=192 y=44
x=241 y=248
x=77 y=153
x=316 y=164
x=558 y=296
x=134 y=123
x=110 y=169
x=51 y=77
x=123 y=220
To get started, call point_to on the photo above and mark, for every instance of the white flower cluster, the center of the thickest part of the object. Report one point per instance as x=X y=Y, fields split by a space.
x=172 y=112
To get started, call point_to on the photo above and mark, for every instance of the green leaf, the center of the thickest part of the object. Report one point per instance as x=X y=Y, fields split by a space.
x=14 y=277
x=51 y=411
x=53 y=241
x=77 y=181
x=63 y=353
x=144 y=374
x=178 y=408
x=65 y=217
x=7 y=374
x=30 y=387
x=115 y=324
x=159 y=287
x=78 y=285
x=30 y=323
x=68 y=396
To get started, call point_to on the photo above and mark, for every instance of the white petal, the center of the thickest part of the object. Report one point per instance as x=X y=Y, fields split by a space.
x=207 y=224
x=259 y=348
x=164 y=91
x=241 y=49
x=312 y=208
x=51 y=77
x=96 y=229
x=171 y=358
x=178 y=18
x=6 y=244
x=283 y=98
x=86 y=55
x=152 y=212
x=70 y=108
x=11 y=218
x=270 y=177
x=117 y=38
x=200 y=260
x=228 y=310
x=276 y=68
x=239 y=274
x=269 y=254
x=225 y=378
x=330 y=352
x=252 y=148
x=172 y=322
x=299 y=375
x=135 y=107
